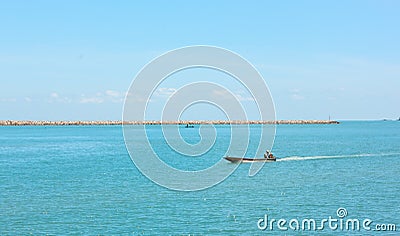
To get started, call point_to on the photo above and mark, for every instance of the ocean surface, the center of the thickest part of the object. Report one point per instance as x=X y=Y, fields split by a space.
x=80 y=180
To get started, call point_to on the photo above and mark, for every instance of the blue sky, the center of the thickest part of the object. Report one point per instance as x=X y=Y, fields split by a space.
x=71 y=60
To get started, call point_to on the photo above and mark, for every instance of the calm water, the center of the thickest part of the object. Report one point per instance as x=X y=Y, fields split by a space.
x=81 y=180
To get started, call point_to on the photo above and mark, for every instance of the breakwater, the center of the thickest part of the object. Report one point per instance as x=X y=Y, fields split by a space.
x=182 y=122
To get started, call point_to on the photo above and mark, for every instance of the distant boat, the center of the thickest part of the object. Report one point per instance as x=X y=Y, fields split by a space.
x=189 y=126
x=248 y=160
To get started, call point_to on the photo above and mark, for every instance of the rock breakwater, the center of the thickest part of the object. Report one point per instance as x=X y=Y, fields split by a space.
x=192 y=122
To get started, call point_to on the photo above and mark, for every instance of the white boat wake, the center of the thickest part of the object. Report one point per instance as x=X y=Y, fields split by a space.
x=301 y=158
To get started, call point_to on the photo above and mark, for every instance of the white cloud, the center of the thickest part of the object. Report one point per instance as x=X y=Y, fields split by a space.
x=101 y=97
x=296 y=94
x=115 y=96
x=132 y=98
x=243 y=96
x=55 y=97
x=240 y=95
x=164 y=92
x=96 y=100
x=297 y=97
x=221 y=93
x=8 y=99
x=113 y=93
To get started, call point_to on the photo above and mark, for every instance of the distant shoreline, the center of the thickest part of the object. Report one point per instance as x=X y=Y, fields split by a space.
x=191 y=122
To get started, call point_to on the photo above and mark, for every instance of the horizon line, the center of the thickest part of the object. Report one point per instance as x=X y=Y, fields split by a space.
x=158 y=122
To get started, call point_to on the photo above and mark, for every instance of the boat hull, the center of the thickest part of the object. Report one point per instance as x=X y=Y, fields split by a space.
x=248 y=160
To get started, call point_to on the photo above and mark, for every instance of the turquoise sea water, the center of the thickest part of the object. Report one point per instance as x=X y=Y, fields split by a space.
x=81 y=180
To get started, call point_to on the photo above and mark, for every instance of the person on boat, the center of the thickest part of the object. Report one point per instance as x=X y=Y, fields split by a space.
x=271 y=156
x=266 y=154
